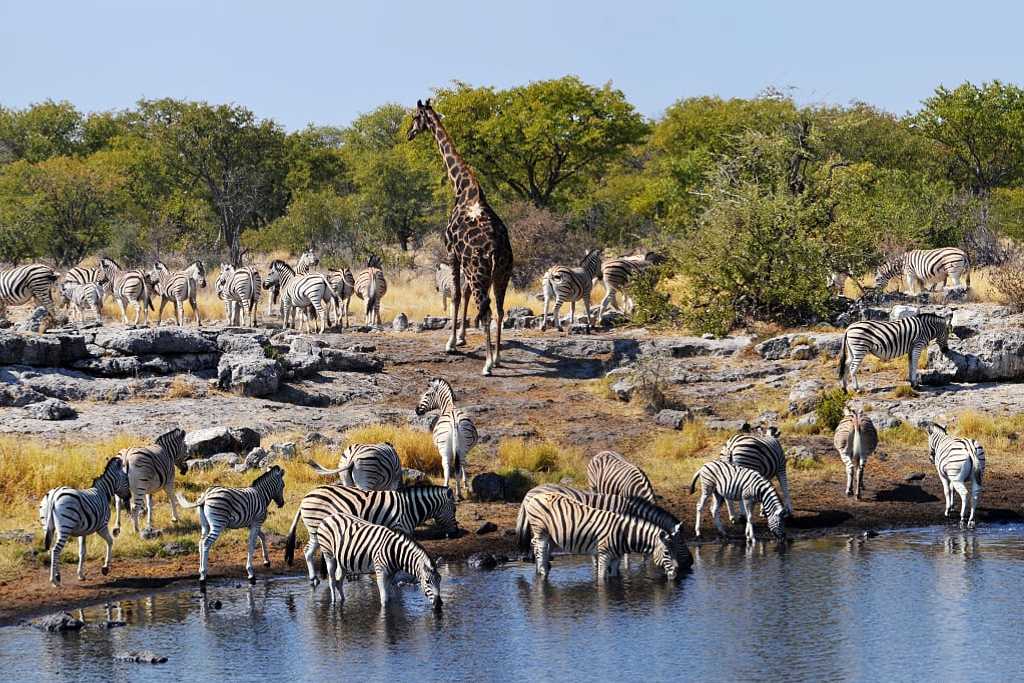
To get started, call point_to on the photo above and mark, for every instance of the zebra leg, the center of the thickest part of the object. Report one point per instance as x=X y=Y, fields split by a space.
x=728 y=509
x=975 y=498
x=250 y=548
x=716 y=503
x=700 y=509
x=149 y=510
x=81 y=557
x=784 y=485
x=854 y=366
x=748 y=508
x=961 y=490
x=558 y=313
x=947 y=494
x=384 y=586
x=446 y=463
x=912 y=365
x=850 y=477
x=542 y=552
x=590 y=316
x=263 y=544
x=55 y=552
x=124 y=311
x=105 y=535
x=321 y=312
x=170 y=496
x=335 y=579
x=311 y=547
x=572 y=313
x=117 y=515
x=195 y=309
x=137 y=502
x=544 y=320
x=604 y=302
x=860 y=479
x=204 y=552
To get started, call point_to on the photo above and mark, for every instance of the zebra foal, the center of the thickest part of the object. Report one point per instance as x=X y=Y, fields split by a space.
x=855 y=439
x=957 y=462
x=564 y=284
x=368 y=466
x=128 y=287
x=151 y=468
x=66 y=512
x=454 y=433
x=720 y=480
x=240 y=290
x=178 y=287
x=761 y=452
x=223 y=508
x=351 y=545
x=82 y=297
x=888 y=340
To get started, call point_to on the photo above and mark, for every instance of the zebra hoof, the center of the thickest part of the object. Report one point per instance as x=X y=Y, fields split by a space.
x=115 y=531
x=202 y=585
x=313 y=583
x=970 y=525
x=56 y=580
x=252 y=580
x=267 y=563
x=104 y=570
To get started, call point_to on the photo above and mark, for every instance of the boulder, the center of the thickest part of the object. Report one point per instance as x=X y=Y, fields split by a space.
x=136 y=657
x=132 y=366
x=623 y=388
x=805 y=396
x=51 y=409
x=990 y=355
x=690 y=347
x=482 y=561
x=413 y=477
x=252 y=344
x=489 y=487
x=58 y=623
x=154 y=341
x=967 y=322
x=72 y=345
x=301 y=365
x=803 y=352
x=248 y=375
x=433 y=323
x=400 y=323
x=350 y=361
x=18 y=395
x=808 y=420
x=486 y=528
x=283 y=451
x=900 y=311
x=29 y=349
x=519 y=312
x=206 y=442
x=674 y=419
x=800 y=346
x=245 y=438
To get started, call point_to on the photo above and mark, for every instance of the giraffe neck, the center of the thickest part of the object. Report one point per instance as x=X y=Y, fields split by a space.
x=464 y=183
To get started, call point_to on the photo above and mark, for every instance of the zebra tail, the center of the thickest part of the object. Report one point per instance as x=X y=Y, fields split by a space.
x=975 y=465
x=968 y=277
x=693 y=482
x=323 y=567
x=289 y=546
x=183 y=501
x=842 y=361
x=48 y=537
x=522 y=529
x=323 y=471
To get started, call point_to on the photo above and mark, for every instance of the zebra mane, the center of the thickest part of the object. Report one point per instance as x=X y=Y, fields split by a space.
x=278 y=264
x=166 y=439
x=373 y=261
x=112 y=462
x=441 y=383
x=267 y=475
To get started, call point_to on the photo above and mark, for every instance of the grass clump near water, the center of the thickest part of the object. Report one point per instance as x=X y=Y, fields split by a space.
x=540 y=461
x=415 y=446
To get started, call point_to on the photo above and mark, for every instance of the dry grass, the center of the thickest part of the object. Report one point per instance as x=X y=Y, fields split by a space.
x=1000 y=434
x=905 y=435
x=691 y=441
x=903 y=391
x=180 y=387
x=545 y=460
x=415 y=447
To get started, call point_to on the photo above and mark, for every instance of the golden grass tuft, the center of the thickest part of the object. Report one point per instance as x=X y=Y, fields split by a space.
x=903 y=391
x=551 y=461
x=180 y=387
x=905 y=434
x=415 y=447
x=995 y=434
x=691 y=441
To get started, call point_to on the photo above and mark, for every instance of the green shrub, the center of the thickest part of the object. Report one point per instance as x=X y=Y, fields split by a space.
x=830 y=410
x=651 y=306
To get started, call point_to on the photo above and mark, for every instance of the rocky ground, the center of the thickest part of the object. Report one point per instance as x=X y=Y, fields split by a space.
x=584 y=391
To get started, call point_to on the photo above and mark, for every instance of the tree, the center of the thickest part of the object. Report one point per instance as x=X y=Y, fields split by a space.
x=316 y=161
x=41 y=131
x=543 y=142
x=318 y=219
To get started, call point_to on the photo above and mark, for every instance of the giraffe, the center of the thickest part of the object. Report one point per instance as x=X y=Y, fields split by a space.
x=476 y=240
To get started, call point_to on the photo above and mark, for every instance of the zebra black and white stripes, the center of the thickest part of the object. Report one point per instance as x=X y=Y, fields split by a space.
x=610 y=472
x=307 y=263
x=401 y=511
x=564 y=284
x=616 y=274
x=888 y=340
x=151 y=468
x=351 y=545
x=720 y=481
x=761 y=452
x=299 y=293
x=223 y=508
x=21 y=284
x=922 y=267
x=454 y=432
x=129 y=287
x=178 y=287
x=957 y=461
x=555 y=519
x=371 y=286
x=66 y=512
x=240 y=289
x=82 y=297
x=368 y=466
x=343 y=286
x=855 y=439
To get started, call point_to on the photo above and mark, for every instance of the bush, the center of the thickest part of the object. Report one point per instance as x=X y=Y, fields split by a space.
x=651 y=305
x=540 y=239
x=1008 y=280
x=830 y=410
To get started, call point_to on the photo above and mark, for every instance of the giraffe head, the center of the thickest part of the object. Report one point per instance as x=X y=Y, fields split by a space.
x=421 y=118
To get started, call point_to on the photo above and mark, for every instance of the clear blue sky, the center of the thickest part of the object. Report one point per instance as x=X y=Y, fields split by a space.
x=326 y=62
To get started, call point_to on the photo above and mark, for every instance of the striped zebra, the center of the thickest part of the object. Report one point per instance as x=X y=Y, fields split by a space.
x=564 y=284
x=401 y=511
x=343 y=286
x=616 y=274
x=240 y=290
x=621 y=505
x=610 y=472
x=855 y=439
x=888 y=340
x=351 y=545
x=128 y=287
x=80 y=275
x=922 y=267
x=21 y=284
x=556 y=519
x=307 y=263
x=723 y=481
x=298 y=294
x=368 y=466
x=178 y=287
x=151 y=468
x=454 y=433
x=371 y=286
x=66 y=512
x=223 y=508
x=762 y=453
x=80 y=297
x=957 y=461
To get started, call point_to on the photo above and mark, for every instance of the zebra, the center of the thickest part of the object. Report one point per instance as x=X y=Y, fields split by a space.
x=922 y=267
x=553 y=518
x=69 y=512
x=610 y=472
x=80 y=275
x=223 y=508
x=343 y=286
x=179 y=287
x=888 y=340
x=622 y=505
x=371 y=286
x=855 y=439
x=351 y=545
x=724 y=481
x=21 y=284
x=957 y=461
x=82 y=296
x=564 y=284
x=368 y=466
x=762 y=453
x=128 y=286
x=240 y=290
x=454 y=433
x=616 y=274
x=307 y=263
x=298 y=292
x=151 y=468
x=401 y=511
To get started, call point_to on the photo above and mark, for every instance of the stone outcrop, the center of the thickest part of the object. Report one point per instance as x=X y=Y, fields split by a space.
x=990 y=355
x=800 y=346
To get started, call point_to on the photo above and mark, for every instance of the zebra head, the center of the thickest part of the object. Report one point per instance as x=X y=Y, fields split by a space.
x=197 y=271
x=936 y=433
x=271 y=483
x=943 y=325
x=438 y=394
x=887 y=271
x=373 y=261
x=591 y=263
x=65 y=290
x=444 y=514
x=666 y=554
x=173 y=442
x=115 y=475
x=430 y=582
x=276 y=276
x=226 y=271
x=777 y=523
x=307 y=261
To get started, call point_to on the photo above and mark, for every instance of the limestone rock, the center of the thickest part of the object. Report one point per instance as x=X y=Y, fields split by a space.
x=248 y=375
x=805 y=396
x=400 y=323
x=51 y=409
x=489 y=487
x=149 y=341
x=675 y=419
x=990 y=355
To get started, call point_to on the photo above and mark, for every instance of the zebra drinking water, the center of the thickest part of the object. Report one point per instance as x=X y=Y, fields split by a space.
x=721 y=480
x=957 y=461
x=401 y=511
x=610 y=472
x=922 y=267
x=371 y=286
x=855 y=439
x=21 y=284
x=223 y=508
x=351 y=545
x=151 y=468
x=888 y=340
x=564 y=284
x=761 y=452
x=177 y=288
x=555 y=519
x=66 y=512
x=368 y=466
x=454 y=433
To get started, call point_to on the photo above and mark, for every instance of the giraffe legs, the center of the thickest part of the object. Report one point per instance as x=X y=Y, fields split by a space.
x=499 y=304
x=456 y=300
